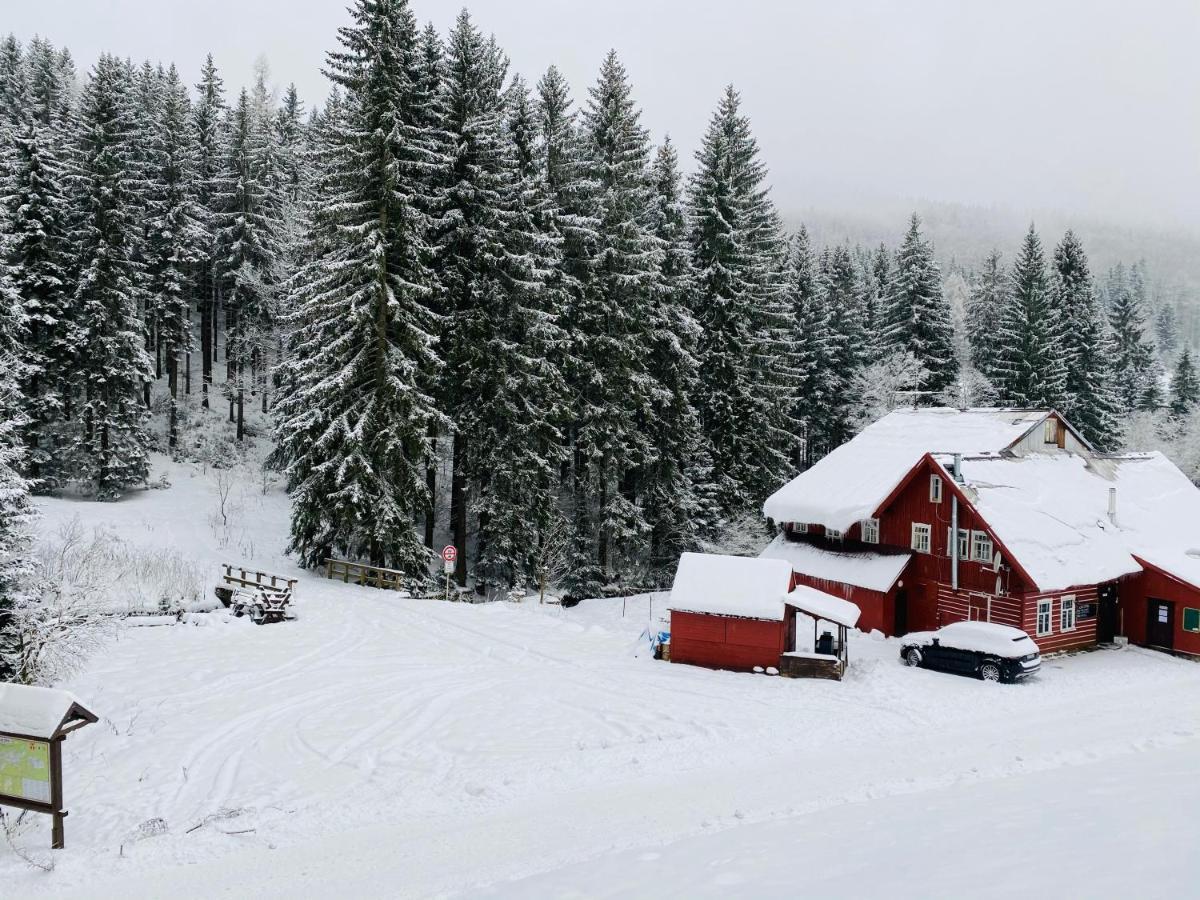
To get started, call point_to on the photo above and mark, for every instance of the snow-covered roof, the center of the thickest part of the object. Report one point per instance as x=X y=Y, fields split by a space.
x=850 y=483
x=823 y=606
x=1051 y=512
x=984 y=637
x=873 y=571
x=38 y=712
x=730 y=585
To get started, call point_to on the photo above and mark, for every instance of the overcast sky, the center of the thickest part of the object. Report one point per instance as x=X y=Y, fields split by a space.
x=1088 y=106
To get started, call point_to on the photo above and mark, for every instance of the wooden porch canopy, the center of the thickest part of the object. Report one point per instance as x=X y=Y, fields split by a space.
x=821 y=607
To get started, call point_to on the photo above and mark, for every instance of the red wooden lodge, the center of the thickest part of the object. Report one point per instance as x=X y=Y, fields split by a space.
x=931 y=516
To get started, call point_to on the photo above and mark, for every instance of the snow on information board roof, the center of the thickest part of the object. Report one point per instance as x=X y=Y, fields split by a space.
x=848 y=485
x=823 y=606
x=730 y=585
x=35 y=712
x=873 y=571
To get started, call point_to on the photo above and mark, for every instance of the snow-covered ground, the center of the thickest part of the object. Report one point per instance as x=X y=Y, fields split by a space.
x=381 y=746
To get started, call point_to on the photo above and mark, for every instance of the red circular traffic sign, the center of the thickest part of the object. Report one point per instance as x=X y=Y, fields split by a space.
x=449 y=553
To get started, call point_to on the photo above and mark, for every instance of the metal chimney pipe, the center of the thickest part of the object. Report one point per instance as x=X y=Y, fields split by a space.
x=1112 y=505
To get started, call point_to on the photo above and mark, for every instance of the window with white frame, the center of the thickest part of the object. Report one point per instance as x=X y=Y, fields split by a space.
x=834 y=534
x=1066 y=621
x=964 y=542
x=870 y=531
x=935 y=488
x=1050 y=431
x=1044 y=612
x=981 y=546
x=920 y=537
x=800 y=527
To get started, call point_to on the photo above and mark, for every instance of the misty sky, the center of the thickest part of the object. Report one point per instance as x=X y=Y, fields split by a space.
x=1087 y=106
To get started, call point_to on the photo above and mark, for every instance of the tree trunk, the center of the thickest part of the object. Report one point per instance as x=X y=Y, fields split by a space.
x=458 y=507
x=602 y=508
x=431 y=487
x=173 y=385
x=241 y=417
x=206 y=343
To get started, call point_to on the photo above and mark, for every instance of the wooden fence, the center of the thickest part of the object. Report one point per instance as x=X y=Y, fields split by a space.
x=369 y=576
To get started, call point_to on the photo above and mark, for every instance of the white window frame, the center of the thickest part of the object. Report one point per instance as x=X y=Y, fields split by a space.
x=935 y=488
x=1066 y=605
x=834 y=534
x=964 y=543
x=1050 y=431
x=870 y=531
x=1045 y=608
x=800 y=528
x=925 y=533
x=977 y=541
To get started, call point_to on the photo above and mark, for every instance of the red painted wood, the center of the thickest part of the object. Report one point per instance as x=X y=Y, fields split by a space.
x=725 y=642
x=1132 y=594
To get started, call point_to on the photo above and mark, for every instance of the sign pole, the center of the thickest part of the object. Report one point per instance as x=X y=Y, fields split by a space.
x=57 y=833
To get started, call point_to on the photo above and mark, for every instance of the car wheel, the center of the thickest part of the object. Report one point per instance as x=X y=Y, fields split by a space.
x=989 y=671
x=913 y=657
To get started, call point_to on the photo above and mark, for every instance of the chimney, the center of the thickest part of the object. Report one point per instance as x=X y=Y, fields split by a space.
x=1112 y=505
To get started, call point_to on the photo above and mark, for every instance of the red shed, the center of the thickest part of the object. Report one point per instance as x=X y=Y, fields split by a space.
x=727 y=612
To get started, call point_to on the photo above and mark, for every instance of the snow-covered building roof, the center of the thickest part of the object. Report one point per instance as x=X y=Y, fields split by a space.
x=873 y=571
x=730 y=586
x=850 y=483
x=38 y=712
x=823 y=606
x=1051 y=512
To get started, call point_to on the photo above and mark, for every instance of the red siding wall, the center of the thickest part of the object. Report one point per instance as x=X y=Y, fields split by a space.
x=1058 y=640
x=1132 y=593
x=725 y=642
x=878 y=609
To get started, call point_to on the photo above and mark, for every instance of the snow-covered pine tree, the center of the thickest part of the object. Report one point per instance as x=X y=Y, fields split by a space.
x=1166 y=330
x=1134 y=371
x=985 y=308
x=16 y=511
x=175 y=234
x=847 y=339
x=747 y=389
x=919 y=318
x=1185 y=386
x=207 y=116
x=354 y=433
x=674 y=488
x=1030 y=368
x=610 y=320
x=14 y=87
x=1089 y=401
x=812 y=412
x=36 y=253
x=109 y=441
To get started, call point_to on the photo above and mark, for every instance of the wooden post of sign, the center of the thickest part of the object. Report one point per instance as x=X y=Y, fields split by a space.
x=57 y=833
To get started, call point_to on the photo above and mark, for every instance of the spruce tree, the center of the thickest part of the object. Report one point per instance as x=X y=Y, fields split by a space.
x=1166 y=330
x=14 y=87
x=1185 y=386
x=985 y=310
x=920 y=321
x=846 y=336
x=109 y=441
x=1134 y=371
x=747 y=386
x=210 y=157
x=812 y=411
x=1030 y=369
x=1089 y=401
x=354 y=432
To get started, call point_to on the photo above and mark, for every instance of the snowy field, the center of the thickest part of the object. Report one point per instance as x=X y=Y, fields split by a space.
x=381 y=746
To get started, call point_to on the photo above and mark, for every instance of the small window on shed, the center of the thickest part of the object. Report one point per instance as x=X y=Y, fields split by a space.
x=981 y=547
x=1050 y=431
x=1067 y=614
x=1045 y=609
x=920 y=537
x=1191 y=620
x=870 y=531
x=935 y=488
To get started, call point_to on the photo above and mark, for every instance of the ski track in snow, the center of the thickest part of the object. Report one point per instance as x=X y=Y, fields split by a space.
x=381 y=746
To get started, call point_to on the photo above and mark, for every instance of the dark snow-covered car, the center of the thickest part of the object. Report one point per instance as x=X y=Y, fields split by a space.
x=983 y=649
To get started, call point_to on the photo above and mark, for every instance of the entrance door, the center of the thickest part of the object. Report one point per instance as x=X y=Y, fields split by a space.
x=901 y=618
x=1106 y=614
x=1160 y=623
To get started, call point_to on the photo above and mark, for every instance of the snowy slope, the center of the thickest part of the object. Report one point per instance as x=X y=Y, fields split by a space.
x=383 y=747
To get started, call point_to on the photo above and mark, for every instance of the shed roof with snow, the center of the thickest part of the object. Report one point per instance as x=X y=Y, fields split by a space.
x=873 y=571
x=850 y=483
x=720 y=585
x=821 y=605
x=40 y=712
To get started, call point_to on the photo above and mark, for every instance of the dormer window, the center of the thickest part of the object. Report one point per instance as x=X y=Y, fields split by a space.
x=1050 y=431
x=834 y=534
x=935 y=488
x=870 y=531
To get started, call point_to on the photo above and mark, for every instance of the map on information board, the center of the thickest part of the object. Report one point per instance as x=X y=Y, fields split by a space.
x=25 y=769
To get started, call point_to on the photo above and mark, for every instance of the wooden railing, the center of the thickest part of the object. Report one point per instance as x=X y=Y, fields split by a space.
x=255 y=579
x=368 y=576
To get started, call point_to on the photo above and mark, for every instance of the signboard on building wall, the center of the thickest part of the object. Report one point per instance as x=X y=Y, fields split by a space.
x=25 y=770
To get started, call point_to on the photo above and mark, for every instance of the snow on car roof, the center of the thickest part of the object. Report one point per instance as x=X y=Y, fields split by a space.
x=825 y=606
x=873 y=571
x=868 y=468
x=982 y=637
x=730 y=585
x=1051 y=512
x=36 y=712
